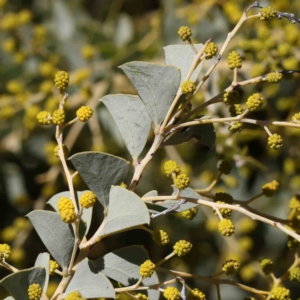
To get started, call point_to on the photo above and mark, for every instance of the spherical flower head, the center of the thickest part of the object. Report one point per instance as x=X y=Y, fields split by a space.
x=225 y=167
x=171 y=293
x=44 y=118
x=295 y=203
x=196 y=294
x=225 y=212
x=84 y=113
x=9 y=45
x=147 y=268
x=226 y=227
x=296 y=118
x=190 y=214
x=74 y=296
x=224 y=197
x=123 y=185
x=211 y=50
x=58 y=117
x=230 y=267
x=294 y=274
x=88 y=52
x=171 y=167
x=235 y=126
x=4 y=251
x=275 y=141
x=280 y=293
x=64 y=148
x=140 y=296
x=293 y=244
x=24 y=16
x=188 y=87
x=87 y=199
x=267 y=13
x=34 y=291
x=182 y=181
x=14 y=87
x=270 y=188
x=61 y=80
x=266 y=265
x=160 y=237
x=235 y=110
x=274 y=77
x=182 y=247
x=232 y=97
x=21 y=223
x=184 y=32
x=254 y=102
x=68 y=215
x=234 y=60
x=64 y=203
x=9 y=21
x=46 y=86
x=53 y=265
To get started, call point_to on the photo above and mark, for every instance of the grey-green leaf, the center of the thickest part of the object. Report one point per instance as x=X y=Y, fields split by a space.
x=182 y=56
x=56 y=235
x=43 y=261
x=126 y=210
x=90 y=282
x=100 y=171
x=123 y=266
x=156 y=85
x=17 y=283
x=132 y=119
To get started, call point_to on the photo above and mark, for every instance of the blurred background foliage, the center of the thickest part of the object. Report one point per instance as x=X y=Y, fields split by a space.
x=90 y=39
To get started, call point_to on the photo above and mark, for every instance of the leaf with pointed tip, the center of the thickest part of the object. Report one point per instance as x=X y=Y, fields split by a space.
x=100 y=171
x=43 y=261
x=123 y=266
x=90 y=282
x=9 y=298
x=17 y=283
x=132 y=119
x=156 y=85
x=126 y=210
x=182 y=56
x=86 y=217
x=160 y=206
x=57 y=236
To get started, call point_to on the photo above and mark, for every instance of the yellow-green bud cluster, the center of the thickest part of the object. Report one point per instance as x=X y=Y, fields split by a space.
x=66 y=209
x=74 y=296
x=4 y=251
x=255 y=101
x=34 y=291
x=267 y=13
x=225 y=212
x=225 y=167
x=44 y=118
x=84 y=113
x=87 y=199
x=171 y=293
x=270 y=188
x=140 y=296
x=234 y=60
x=296 y=118
x=235 y=110
x=232 y=97
x=188 y=87
x=182 y=181
x=147 y=268
x=61 y=80
x=235 y=126
x=53 y=266
x=226 y=227
x=294 y=274
x=293 y=244
x=210 y=50
x=266 y=265
x=171 y=167
x=161 y=237
x=123 y=185
x=58 y=117
x=295 y=203
x=196 y=294
x=224 y=197
x=274 y=77
x=184 y=32
x=280 y=293
x=230 y=267
x=182 y=248
x=190 y=214
x=275 y=141
x=64 y=148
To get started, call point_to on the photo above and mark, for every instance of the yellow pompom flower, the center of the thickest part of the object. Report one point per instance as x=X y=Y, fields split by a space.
x=65 y=150
x=61 y=80
x=9 y=45
x=53 y=265
x=4 y=251
x=84 y=113
x=68 y=215
x=35 y=291
x=88 y=52
x=171 y=293
x=64 y=203
x=161 y=237
x=44 y=118
x=270 y=188
x=74 y=296
x=147 y=268
x=87 y=199
x=182 y=248
x=184 y=32
x=226 y=227
x=171 y=167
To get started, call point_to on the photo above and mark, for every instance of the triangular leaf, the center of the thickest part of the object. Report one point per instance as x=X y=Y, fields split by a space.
x=57 y=236
x=132 y=119
x=43 y=261
x=90 y=282
x=156 y=85
x=182 y=56
x=123 y=266
x=126 y=210
x=17 y=283
x=100 y=171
